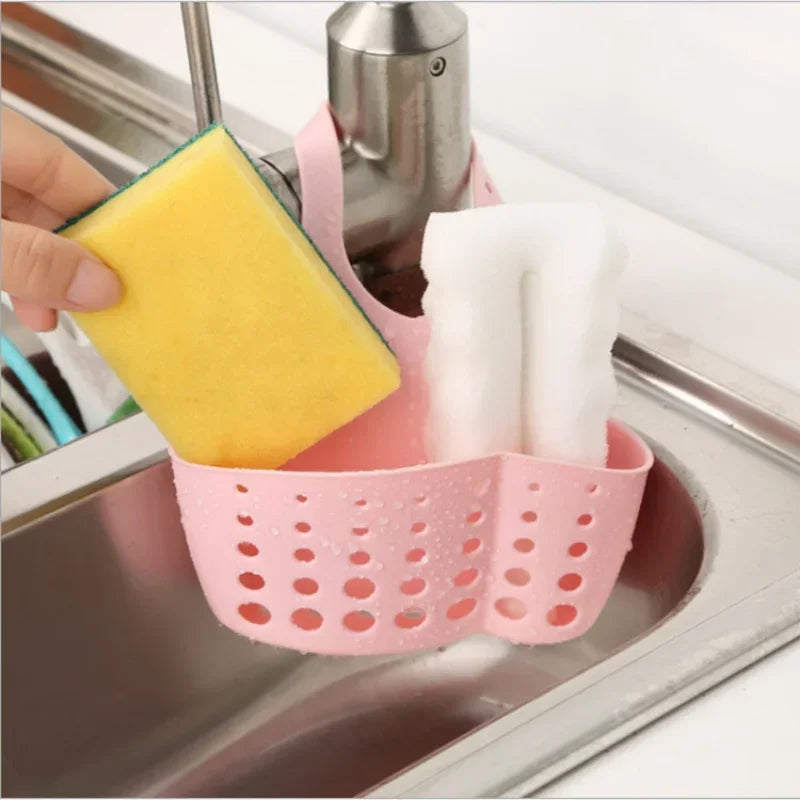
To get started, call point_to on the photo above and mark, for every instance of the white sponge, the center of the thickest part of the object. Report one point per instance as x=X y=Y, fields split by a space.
x=523 y=312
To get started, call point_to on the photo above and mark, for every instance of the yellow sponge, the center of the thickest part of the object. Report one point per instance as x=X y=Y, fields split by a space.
x=233 y=334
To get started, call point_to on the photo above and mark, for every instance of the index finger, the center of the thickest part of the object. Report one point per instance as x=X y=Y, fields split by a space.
x=40 y=164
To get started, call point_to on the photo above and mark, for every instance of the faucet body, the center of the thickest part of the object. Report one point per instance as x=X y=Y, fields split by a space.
x=399 y=93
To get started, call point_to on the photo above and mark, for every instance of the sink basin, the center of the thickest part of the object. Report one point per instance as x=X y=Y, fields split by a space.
x=149 y=693
x=118 y=681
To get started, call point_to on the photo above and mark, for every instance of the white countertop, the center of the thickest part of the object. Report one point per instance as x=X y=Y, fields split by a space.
x=737 y=739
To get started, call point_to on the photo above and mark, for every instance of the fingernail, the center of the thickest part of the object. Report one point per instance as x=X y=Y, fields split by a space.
x=94 y=287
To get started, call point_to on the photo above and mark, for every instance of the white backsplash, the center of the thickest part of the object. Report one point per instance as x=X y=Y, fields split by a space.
x=690 y=109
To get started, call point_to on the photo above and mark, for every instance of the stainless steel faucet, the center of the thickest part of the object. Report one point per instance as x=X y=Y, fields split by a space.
x=399 y=94
x=199 y=48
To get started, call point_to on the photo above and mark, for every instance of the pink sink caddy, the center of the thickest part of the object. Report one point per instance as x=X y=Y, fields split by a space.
x=397 y=560
x=361 y=547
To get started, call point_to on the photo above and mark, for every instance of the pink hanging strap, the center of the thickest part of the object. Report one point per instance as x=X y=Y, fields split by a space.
x=390 y=435
x=322 y=189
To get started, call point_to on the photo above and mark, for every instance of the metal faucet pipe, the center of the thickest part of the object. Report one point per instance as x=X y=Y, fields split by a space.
x=199 y=48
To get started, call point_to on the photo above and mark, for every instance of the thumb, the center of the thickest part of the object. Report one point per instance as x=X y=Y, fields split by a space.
x=48 y=270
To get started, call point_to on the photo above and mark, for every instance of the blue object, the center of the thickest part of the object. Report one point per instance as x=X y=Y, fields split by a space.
x=63 y=426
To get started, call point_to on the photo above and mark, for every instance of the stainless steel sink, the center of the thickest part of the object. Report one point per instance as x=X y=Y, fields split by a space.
x=118 y=681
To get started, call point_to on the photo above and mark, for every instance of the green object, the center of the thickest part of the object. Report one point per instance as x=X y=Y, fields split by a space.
x=62 y=425
x=18 y=436
x=128 y=407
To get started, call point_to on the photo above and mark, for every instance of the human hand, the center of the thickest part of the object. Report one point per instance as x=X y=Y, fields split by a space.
x=44 y=183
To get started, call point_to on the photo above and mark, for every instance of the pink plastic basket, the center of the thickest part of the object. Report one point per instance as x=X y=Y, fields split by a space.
x=360 y=547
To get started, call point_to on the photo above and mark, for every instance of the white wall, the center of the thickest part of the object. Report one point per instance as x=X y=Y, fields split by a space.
x=690 y=109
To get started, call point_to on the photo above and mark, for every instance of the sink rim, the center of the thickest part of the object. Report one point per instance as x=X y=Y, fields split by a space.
x=460 y=769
